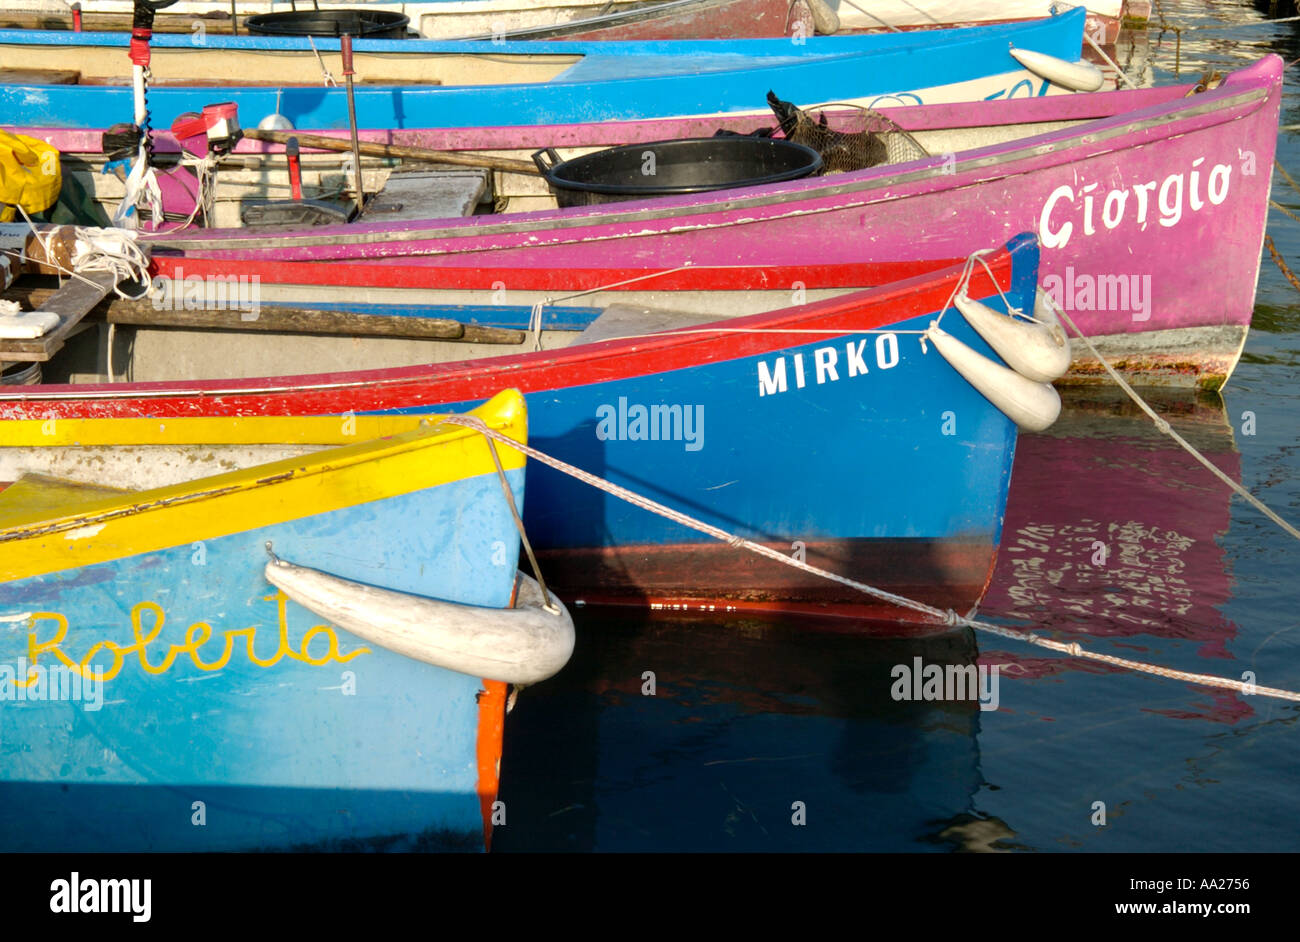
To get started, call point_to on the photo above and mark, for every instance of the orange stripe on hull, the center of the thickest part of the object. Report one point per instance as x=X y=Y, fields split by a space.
x=491 y=731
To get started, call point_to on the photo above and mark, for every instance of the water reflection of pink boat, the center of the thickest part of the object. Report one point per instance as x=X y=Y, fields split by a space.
x=1111 y=531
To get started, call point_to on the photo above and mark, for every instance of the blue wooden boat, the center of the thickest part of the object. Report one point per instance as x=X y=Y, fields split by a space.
x=483 y=84
x=165 y=687
x=830 y=431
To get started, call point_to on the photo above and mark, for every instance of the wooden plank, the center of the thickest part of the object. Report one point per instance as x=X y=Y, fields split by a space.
x=72 y=302
x=404 y=151
x=628 y=320
x=142 y=313
x=54 y=495
x=215 y=23
x=305 y=321
x=40 y=76
x=427 y=194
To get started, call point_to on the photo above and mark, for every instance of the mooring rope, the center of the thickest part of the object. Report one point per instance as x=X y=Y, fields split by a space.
x=1201 y=26
x=509 y=494
x=1268 y=239
x=946 y=617
x=1277 y=164
x=1109 y=61
x=1277 y=258
x=1278 y=206
x=1164 y=426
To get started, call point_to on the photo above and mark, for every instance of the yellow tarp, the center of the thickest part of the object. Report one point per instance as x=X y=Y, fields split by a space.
x=30 y=175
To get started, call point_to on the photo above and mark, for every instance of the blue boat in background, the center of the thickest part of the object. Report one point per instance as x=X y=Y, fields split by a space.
x=440 y=84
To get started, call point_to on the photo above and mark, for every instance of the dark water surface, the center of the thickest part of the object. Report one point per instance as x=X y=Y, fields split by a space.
x=751 y=717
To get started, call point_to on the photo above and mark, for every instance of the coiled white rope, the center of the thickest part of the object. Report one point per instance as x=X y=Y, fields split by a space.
x=204 y=170
x=111 y=250
x=942 y=616
x=114 y=251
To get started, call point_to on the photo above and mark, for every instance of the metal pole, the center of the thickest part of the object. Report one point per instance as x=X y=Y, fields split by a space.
x=345 y=46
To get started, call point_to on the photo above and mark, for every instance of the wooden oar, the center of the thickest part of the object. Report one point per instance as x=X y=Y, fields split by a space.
x=372 y=149
x=295 y=320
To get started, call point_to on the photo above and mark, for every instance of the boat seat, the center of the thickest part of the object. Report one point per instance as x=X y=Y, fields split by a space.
x=428 y=194
x=42 y=496
x=71 y=303
x=630 y=320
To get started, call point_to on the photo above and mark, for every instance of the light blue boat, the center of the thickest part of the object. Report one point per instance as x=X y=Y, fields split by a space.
x=526 y=83
x=166 y=687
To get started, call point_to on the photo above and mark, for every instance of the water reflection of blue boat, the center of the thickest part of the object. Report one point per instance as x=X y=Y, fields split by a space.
x=746 y=721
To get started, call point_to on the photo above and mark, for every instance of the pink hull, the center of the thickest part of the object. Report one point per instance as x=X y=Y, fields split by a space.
x=1150 y=208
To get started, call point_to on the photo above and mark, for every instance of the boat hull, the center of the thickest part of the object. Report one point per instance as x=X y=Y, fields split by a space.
x=1104 y=16
x=837 y=426
x=1121 y=188
x=225 y=716
x=678 y=19
x=527 y=83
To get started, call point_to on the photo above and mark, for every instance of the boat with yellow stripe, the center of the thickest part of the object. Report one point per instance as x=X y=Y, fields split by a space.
x=299 y=654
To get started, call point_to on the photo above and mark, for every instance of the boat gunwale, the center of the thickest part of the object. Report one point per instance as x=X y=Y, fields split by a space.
x=1006 y=262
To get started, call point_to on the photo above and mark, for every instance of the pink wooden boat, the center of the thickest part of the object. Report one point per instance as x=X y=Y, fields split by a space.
x=1124 y=189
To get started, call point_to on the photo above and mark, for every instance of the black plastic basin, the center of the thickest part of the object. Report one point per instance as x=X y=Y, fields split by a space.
x=360 y=24
x=668 y=168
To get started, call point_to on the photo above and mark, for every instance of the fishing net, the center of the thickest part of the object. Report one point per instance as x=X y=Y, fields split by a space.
x=847 y=136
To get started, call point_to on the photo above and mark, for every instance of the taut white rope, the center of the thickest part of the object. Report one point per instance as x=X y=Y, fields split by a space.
x=946 y=617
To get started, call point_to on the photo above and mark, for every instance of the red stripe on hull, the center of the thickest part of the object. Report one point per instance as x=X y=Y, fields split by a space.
x=417 y=386
x=456 y=275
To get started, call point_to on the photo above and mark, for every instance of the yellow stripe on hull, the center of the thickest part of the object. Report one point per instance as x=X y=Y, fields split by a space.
x=33 y=542
x=207 y=430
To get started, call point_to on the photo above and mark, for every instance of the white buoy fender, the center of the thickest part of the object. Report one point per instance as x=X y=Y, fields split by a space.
x=275 y=122
x=825 y=20
x=1080 y=76
x=519 y=645
x=1037 y=350
x=1032 y=406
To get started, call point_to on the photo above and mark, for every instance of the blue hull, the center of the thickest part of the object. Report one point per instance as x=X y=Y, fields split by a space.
x=271 y=756
x=613 y=81
x=898 y=475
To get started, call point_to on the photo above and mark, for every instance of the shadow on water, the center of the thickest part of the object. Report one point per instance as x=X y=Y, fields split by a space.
x=749 y=721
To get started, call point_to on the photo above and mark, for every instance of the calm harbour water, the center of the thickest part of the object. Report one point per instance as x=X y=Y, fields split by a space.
x=750 y=717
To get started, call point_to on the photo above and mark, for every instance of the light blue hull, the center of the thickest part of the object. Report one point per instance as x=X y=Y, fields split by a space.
x=613 y=81
x=363 y=750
